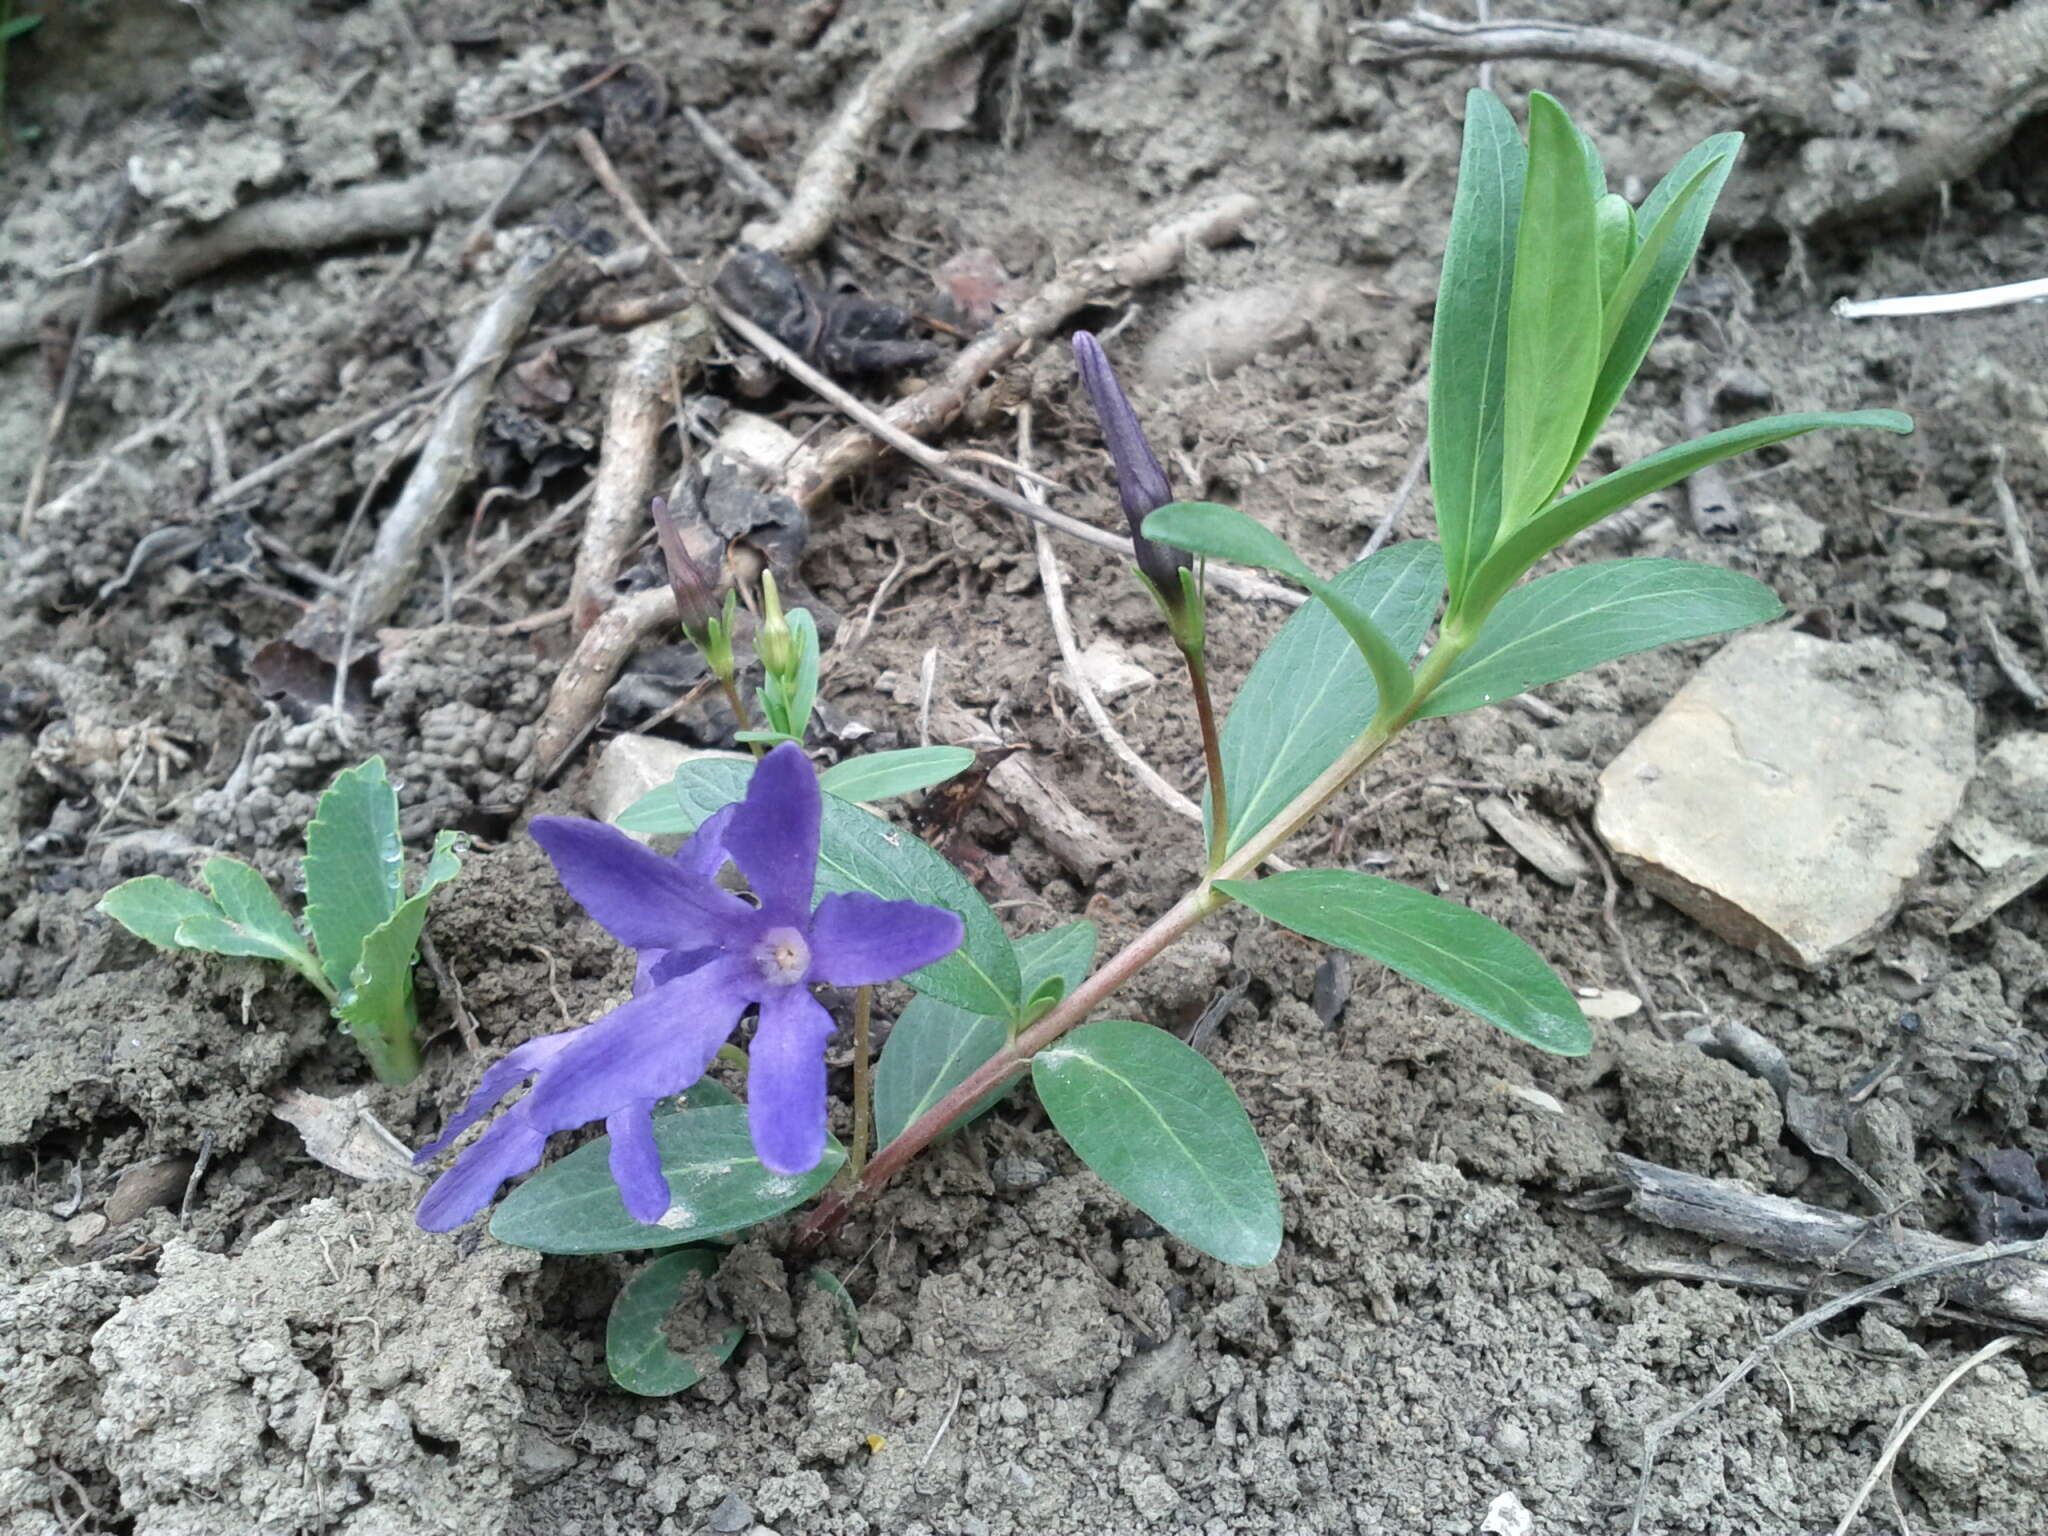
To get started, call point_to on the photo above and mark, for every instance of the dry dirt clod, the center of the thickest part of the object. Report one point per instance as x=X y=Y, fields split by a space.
x=1789 y=795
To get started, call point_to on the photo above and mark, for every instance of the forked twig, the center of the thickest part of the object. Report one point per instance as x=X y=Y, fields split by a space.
x=1904 y=1432
x=833 y=163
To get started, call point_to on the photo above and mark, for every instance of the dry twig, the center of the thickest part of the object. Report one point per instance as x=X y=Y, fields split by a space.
x=1427 y=36
x=640 y=408
x=444 y=463
x=166 y=258
x=1904 y=1432
x=2022 y=554
x=829 y=170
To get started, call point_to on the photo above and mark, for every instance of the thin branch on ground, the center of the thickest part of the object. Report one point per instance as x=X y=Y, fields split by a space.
x=547 y=526
x=1610 y=898
x=830 y=168
x=74 y=359
x=1425 y=35
x=445 y=461
x=167 y=257
x=70 y=501
x=2022 y=554
x=1411 y=477
x=640 y=408
x=739 y=170
x=1904 y=1432
x=1654 y=1437
x=2030 y=292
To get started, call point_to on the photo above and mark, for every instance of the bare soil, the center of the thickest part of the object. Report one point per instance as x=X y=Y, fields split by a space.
x=1456 y=1313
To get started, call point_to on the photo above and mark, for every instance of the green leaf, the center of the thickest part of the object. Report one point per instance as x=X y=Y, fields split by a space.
x=860 y=852
x=1553 y=316
x=377 y=1008
x=715 y=1179
x=805 y=695
x=249 y=919
x=152 y=908
x=1469 y=343
x=880 y=775
x=1614 y=229
x=355 y=867
x=1562 y=624
x=1585 y=507
x=1310 y=693
x=935 y=1047
x=1688 y=194
x=1224 y=533
x=636 y=1346
x=1156 y=1120
x=1448 y=948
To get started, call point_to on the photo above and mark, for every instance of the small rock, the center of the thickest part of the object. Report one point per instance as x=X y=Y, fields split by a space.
x=539 y=1460
x=1606 y=1004
x=2005 y=814
x=1012 y=1175
x=1109 y=670
x=733 y=1514
x=1790 y=794
x=1215 y=336
x=633 y=766
x=1920 y=616
x=1543 y=846
x=161 y=1181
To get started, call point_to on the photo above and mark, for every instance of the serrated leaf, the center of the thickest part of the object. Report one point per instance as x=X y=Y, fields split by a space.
x=1553 y=316
x=636 y=1347
x=1160 y=1125
x=1448 y=948
x=1564 y=623
x=152 y=908
x=934 y=1047
x=715 y=1180
x=244 y=919
x=377 y=1008
x=861 y=852
x=881 y=775
x=1224 y=533
x=1469 y=342
x=1310 y=693
x=1583 y=508
x=355 y=867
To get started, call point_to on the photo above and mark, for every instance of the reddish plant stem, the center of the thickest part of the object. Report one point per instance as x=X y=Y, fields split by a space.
x=1212 y=753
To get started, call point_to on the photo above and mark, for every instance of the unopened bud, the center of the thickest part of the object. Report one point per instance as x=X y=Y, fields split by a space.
x=695 y=605
x=1141 y=483
x=773 y=642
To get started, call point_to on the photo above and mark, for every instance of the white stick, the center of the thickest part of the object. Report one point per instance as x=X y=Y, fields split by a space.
x=2030 y=292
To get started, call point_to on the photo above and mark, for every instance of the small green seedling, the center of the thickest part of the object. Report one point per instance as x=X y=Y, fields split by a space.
x=365 y=929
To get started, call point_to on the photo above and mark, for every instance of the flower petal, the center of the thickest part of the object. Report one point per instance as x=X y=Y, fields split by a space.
x=658 y=1043
x=703 y=854
x=505 y=1151
x=774 y=835
x=858 y=939
x=636 y=1162
x=500 y=1078
x=642 y=899
x=786 y=1081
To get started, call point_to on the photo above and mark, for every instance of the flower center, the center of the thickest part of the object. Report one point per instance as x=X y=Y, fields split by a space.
x=783 y=956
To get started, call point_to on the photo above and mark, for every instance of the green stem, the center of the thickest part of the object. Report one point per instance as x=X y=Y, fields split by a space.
x=391 y=1049
x=739 y=709
x=1212 y=753
x=1072 y=1010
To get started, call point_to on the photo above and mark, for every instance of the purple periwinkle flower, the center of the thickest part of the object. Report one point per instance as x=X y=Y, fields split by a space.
x=706 y=955
x=1140 y=482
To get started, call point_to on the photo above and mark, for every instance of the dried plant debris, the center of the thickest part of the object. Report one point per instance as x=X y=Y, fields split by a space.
x=844 y=332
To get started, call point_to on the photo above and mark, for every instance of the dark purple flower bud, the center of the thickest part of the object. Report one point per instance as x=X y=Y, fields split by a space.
x=706 y=956
x=1139 y=479
x=695 y=605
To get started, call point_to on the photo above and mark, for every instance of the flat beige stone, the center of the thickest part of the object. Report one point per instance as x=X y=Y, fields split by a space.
x=1789 y=795
x=632 y=766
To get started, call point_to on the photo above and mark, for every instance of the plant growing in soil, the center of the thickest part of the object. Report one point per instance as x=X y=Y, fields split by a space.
x=365 y=929
x=1552 y=291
